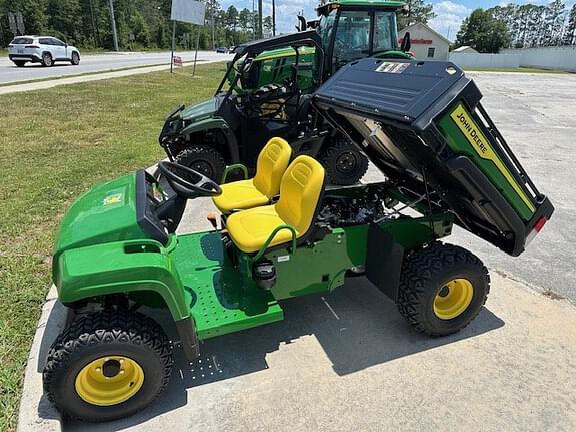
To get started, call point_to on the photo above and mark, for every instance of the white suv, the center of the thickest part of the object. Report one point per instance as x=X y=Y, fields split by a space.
x=41 y=49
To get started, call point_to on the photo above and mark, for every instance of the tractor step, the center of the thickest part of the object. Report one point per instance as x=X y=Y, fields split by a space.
x=222 y=301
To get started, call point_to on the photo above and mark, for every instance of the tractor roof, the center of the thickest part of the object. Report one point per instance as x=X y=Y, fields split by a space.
x=396 y=4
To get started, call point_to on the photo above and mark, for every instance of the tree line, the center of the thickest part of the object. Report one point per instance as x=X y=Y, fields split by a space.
x=140 y=23
x=519 y=26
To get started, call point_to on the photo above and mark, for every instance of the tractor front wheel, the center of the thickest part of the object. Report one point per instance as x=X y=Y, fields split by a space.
x=344 y=163
x=107 y=365
x=204 y=159
x=442 y=289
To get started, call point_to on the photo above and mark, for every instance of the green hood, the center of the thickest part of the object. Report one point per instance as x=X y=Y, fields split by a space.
x=202 y=110
x=105 y=213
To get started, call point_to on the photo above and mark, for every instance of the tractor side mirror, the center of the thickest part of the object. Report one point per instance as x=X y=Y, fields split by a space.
x=303 y=25
x=406 y=43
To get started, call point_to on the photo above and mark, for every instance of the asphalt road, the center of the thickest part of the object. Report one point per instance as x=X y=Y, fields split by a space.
x=90 y=63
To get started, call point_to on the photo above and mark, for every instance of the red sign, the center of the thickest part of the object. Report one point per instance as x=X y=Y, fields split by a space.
x=419 y=41
x=177 y=61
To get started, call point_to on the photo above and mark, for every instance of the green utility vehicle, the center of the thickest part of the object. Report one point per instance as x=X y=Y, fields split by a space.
x=444 y=162
x=266 y=92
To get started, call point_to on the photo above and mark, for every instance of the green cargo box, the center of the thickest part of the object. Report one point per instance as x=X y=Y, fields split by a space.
x=423 y=125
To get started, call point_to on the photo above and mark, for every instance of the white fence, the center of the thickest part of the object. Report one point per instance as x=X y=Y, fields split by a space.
x=563 y=57
x=474 y=60
x=545 y=57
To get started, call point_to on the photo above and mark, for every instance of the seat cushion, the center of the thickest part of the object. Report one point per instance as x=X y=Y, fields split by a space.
x=239 y=195
x=249 y=229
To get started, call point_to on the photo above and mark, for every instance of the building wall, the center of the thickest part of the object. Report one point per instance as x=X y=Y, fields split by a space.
x=422 y=40
x=563 y=57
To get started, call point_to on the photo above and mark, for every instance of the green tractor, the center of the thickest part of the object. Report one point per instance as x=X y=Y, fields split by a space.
x=266 y=92
x=286 y=233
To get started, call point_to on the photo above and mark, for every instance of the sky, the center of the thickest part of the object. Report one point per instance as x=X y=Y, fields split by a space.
x=450 y=13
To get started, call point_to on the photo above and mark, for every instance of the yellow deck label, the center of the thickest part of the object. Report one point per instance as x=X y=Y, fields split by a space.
x=484 y=149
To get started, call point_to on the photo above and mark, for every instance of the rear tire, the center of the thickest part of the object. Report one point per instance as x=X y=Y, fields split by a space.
x=75 y=60
x=47 y=60
x=344 y=163
x=107 y=365
x=204 y=159
x=442 y=289
x=20 y=63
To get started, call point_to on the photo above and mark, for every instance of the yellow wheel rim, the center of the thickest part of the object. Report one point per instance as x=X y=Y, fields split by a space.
x=109 y=380
x=453 y=299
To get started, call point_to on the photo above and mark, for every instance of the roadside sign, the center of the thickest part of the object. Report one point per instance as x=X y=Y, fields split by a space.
x=177 y=61
x=20 y=23
x=12 y=23
x=189 y=11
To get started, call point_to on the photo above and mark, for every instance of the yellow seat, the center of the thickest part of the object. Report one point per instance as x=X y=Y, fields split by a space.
x=300 y=191
x=257 y=191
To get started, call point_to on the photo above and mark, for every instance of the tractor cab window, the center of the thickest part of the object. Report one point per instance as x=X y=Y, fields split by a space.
x=384 y=32
x=326 y=26
x=352 y=40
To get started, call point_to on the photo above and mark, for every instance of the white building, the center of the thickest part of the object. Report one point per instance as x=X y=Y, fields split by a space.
x=426 y=43
x=465 y=50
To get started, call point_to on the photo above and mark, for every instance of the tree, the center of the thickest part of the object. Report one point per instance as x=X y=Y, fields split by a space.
x=267 y=25
x=420 y=12
x=483 y=32
x=570 y=33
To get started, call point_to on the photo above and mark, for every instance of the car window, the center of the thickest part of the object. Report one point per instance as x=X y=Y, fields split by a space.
x=45 y=41
x=57 y=42
x=21 y=41
x=352 y=37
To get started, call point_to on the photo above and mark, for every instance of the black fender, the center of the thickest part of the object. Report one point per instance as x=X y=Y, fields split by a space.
x=216 y=123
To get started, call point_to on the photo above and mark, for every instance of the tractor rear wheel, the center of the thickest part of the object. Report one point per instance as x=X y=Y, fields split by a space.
x=442 y=289
x=204 y=159
x=344 y=163
x=107 y=365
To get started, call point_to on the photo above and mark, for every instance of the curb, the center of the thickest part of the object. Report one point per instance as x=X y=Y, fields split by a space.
x=36 y=413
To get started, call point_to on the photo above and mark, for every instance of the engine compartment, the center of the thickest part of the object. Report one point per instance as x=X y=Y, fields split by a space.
x=357 y=205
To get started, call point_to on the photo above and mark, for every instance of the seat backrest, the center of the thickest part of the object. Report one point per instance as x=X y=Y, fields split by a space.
x=300 y=192
x=271 y=164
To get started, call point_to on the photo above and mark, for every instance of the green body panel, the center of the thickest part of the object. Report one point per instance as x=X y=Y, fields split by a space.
x=106 y=213
x=201 y=110
x=121 y=267
x=204 y=125
x=275 y=66
x=499 y=176
x=222 y=300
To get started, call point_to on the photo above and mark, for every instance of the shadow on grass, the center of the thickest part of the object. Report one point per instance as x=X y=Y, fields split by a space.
x=357 y=326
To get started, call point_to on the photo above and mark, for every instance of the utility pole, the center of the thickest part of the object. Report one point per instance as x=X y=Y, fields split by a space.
x=254 y=25
x=260 y=34
x=273 y=17
x=113 y=25
x=213 y=42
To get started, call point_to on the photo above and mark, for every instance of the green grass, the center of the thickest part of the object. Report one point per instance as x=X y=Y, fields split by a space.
x=55 y=144
x=519 y=69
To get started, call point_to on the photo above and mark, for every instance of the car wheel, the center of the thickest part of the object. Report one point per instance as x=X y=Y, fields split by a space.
x=204 y=159
x=47 y=60
x=107 y=365
x=344 y=163
x=442 y=289
x=75 y=59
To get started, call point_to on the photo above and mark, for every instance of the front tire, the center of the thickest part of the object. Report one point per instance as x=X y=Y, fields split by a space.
x=47 y=60
x=204 y=159
x=107 y=365
x=75 y=60
x=442 y=289
x=344 y=163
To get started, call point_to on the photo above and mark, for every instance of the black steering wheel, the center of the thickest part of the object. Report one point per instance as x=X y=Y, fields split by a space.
x=188 y=183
